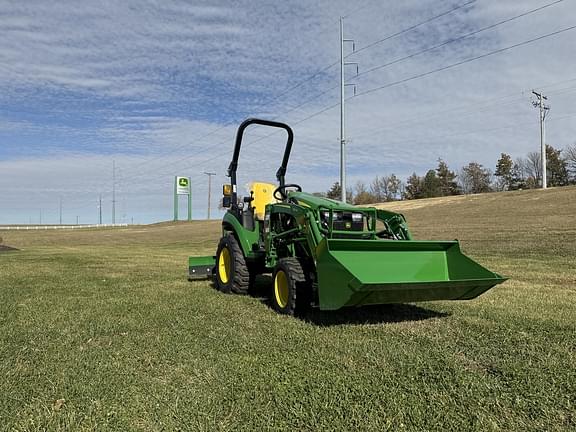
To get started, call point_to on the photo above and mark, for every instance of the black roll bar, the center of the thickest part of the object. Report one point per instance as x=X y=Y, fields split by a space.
x=232 y=168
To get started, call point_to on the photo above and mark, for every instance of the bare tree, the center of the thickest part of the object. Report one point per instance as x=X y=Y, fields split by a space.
x=520 y=167
x=360 y=187
x=362 y=195
x=464 y=182
x=379 y=188
x=571 y=162
x=534 y=167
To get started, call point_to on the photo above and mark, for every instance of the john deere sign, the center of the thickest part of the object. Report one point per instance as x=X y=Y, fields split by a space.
x=182 y=186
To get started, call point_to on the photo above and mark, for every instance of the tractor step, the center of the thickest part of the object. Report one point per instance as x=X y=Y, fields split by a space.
x=201 y=268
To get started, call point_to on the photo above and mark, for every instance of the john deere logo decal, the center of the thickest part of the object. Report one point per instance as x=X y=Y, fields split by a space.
x=182 y=185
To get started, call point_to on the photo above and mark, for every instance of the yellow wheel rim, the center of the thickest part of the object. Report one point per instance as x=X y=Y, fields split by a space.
x=281 y=289
x=224 y=265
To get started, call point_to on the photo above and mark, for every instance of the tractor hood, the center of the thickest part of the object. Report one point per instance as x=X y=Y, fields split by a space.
x=316 y=202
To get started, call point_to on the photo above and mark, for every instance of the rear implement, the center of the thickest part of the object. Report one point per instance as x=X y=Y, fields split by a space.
x=201 y=267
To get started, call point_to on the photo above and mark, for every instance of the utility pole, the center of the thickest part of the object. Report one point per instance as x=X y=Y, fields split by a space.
x=209 y=174
x=100 y=209
x=77 y=220
x=113 y=192
x=60 y=210
x=543 y=108
x=343 y=85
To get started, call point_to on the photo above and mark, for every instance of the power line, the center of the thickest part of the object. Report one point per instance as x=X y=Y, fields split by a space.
x=439 y=45
x=415 y=26
x=260 y=106
x=317 y=113
x=467 y=35
x=485 y=105
x=326 y=68
x=355 y=11
x=218 y=144
x=467 y=132
x=148 y=160
x=313 y=115
x=453 y=65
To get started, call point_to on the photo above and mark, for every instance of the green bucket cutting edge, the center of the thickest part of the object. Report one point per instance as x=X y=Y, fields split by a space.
x=363 y=272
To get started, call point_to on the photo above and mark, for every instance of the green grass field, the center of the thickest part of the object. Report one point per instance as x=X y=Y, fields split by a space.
x=106 y=321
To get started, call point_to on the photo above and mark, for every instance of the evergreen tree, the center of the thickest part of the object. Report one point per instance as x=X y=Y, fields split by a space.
x=413 y=188
x=517 y=176
x=446 y=180
x=431 y=185
x=504 y=172
x=334 y=192
x=556 y=167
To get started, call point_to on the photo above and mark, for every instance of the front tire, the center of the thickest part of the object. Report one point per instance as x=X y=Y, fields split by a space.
x=232 y=274
x=289 y=287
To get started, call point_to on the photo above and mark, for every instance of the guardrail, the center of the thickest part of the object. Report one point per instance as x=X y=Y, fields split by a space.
x=50 y=227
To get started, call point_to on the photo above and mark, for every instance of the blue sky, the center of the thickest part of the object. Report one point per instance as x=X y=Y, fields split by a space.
x=160 y=86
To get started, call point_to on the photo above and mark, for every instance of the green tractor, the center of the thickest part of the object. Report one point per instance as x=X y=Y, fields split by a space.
x=328 y=254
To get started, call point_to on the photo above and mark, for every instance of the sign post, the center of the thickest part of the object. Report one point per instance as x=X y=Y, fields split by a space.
x=182 y=186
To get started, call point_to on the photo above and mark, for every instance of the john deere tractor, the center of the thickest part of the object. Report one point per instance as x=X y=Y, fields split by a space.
x=328 y=254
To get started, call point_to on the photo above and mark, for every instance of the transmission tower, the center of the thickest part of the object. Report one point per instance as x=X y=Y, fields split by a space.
x=343 y=85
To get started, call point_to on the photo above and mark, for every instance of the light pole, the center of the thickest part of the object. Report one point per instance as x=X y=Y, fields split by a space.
x=209 y=174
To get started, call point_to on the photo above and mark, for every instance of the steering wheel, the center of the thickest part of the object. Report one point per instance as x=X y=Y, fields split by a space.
x=280 y=191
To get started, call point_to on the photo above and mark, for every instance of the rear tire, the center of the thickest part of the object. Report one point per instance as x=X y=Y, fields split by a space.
x=232 y=274
x=289 y=288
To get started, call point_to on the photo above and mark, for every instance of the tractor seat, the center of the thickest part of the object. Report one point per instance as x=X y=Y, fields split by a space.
x=262 y=194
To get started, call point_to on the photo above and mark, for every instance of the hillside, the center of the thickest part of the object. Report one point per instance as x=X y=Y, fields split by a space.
x=518 y=223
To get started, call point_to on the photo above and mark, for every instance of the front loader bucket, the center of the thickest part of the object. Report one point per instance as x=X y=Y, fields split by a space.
x=201 y=267
x=362 y=272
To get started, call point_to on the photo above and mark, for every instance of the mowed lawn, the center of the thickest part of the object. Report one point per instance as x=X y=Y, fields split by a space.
x=100 y=330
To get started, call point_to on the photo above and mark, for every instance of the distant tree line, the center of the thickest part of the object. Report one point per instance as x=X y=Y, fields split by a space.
x=522 y=173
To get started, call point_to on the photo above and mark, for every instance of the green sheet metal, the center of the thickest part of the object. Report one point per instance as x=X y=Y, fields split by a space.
x=201 y=267
x=362 y=272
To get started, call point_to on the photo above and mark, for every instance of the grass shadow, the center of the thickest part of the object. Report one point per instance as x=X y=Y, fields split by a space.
x=372 y=314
